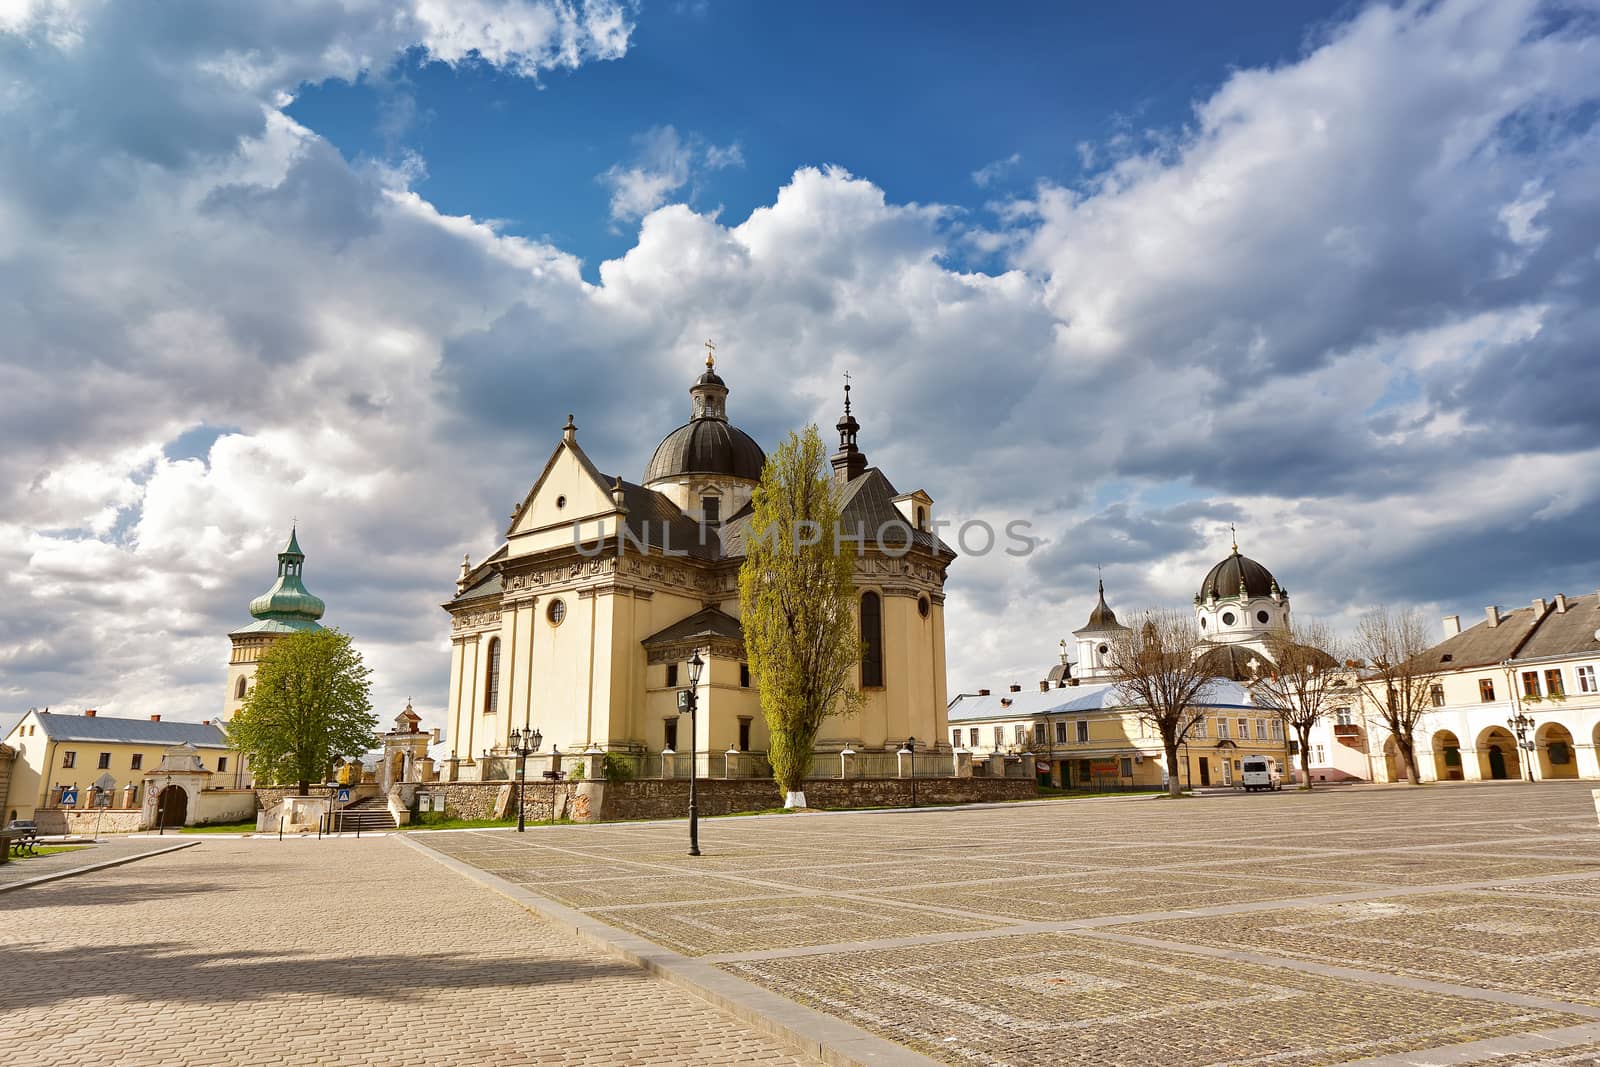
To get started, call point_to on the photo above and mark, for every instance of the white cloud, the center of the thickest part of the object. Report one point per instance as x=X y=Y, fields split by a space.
x=663 y=164
x=990 y=173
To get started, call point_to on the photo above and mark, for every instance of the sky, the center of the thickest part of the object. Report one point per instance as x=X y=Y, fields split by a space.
x=1129 y=273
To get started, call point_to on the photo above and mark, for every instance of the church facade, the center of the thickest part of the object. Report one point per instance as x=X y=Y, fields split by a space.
x=582 y=622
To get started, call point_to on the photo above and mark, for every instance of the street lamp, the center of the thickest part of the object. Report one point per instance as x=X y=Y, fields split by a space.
x=910 y=750
x=1520 y=724
x=688 y=700
x=524 y=743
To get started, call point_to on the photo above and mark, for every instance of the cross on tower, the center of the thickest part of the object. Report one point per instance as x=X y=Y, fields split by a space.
x=711 y=354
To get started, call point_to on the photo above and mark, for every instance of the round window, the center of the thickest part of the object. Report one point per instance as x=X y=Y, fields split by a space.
x=1104 y=649
x=923 y=607
x=556 y=612
x=1262 y=617
x=1228 y=618
x=1202 y=624
x=561 y=501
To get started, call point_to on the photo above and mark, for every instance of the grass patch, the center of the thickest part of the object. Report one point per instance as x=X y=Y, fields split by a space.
x=433 y=822
x=1052 y=793
x=220 y=828
x=50 y=850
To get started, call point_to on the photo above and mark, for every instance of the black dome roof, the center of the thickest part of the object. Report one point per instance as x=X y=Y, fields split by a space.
x=706 y=446
x=1222 y=581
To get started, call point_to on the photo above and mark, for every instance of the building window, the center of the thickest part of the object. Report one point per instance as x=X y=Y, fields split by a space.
x=1199 y=728
x=1262 y=617
x=1227 y=618
x=670 y=737
x=1020 y=732
x=999 y=737
x=1083 y=731
x=924 y=606
x=1586 y=681
x=238 y=689
x=491 y=694
x=1322 y=757
x=1486 y=690
x=1559 y=753
x=955 y=738
x=556 y=612
x=1261 y=729
x=1038 y=733
x=972 y=735
x=105 y=761
x=1553 y=686
x=1244 y=729
x=1343 y=717
x=1277 y=729
x=1061 y=732
x=137 y=761
x=69 y=760
x=922 y=518
x=222 y=764
x=744 y=734
x=1222 y=729
x=1530 y=684
x=1436 y=694
x=711 y=508
x=744 y=676
x=871 y=641
x=1126 y=766
x=672 y=676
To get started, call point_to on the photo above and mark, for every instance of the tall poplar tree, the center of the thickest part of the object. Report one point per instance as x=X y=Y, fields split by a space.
x=796 y=604
x=311 y=704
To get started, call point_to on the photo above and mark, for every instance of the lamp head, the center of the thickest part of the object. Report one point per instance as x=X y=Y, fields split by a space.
x=696 y=665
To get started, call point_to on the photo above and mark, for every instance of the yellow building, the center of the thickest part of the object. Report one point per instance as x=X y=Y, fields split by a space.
x=581 y=622
x=81 y=753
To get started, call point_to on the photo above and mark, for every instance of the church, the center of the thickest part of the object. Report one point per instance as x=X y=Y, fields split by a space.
x=583 y=621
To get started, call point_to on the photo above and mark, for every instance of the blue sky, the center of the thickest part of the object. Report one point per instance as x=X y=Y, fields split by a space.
x=1326 y=272
x=917 y=95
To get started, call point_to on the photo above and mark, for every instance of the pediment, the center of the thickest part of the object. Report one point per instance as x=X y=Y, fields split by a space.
x=569 y=488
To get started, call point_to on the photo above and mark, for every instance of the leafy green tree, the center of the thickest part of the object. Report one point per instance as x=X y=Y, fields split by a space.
x=311 y=704
x=796 y=602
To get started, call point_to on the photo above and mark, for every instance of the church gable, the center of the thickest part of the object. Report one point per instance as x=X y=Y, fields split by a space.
x=570 y=488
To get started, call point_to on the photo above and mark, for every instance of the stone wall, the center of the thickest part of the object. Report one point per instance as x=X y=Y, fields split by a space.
x=8 y=756
x=652 y=798
x=266 y=796
x=83 y=821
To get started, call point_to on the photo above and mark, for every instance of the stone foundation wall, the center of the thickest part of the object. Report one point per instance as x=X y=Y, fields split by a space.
x=651 y=798
x=266 y=796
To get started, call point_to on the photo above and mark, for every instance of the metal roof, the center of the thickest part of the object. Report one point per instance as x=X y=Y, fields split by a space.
x=1099 y=696
x=129 y=731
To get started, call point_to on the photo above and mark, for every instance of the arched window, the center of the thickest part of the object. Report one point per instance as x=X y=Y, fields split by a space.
x=871 y=640
x=491 y=696
x=238 y=689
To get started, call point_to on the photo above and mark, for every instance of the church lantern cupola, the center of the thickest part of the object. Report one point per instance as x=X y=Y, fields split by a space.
x=849 y=462
x=288 y=601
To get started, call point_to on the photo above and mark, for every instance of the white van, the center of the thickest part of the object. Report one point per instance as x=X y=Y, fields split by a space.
x=1261 y=772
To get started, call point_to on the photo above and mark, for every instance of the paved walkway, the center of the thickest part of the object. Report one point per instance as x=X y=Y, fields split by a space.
x=244 y=952
x=1275 y=928
x=108 y=850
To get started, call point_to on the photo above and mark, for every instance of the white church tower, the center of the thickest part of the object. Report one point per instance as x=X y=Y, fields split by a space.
x=1095 y=639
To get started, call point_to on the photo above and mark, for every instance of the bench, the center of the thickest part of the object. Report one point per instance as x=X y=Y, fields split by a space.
x=18 y=843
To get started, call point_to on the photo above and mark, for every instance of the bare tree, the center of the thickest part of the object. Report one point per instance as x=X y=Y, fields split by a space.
x=1160 y=672
x=1398 y=678
x=1307 y=679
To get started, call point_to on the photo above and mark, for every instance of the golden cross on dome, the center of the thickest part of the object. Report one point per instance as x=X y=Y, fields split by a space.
x=711 y=354
x=1235 y=533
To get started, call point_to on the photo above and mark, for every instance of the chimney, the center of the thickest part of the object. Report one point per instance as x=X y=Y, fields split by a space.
x=983 y=692
x=1005 y=702
x=1044 y=687
x=1561 y=603
x=1016 y=688
x=205 y=722
x=1452 y=625
x=1072 y=681
x=155 y=718
x=433 y=736
x=1492 y=613
x=88 y=713
x=1538 y=608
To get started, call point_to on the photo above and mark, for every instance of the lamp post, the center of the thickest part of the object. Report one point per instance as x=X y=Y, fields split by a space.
x=910 y=749
x=524 y=743
x=688 y=700
x=1520 y=724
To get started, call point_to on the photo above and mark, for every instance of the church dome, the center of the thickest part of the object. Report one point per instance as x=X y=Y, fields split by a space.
x=1224 y=580
x=289 y=601
x=707 y=443
x=706 y=446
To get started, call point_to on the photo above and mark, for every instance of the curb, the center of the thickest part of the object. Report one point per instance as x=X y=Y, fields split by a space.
x=822 y=1037
x=58 y=875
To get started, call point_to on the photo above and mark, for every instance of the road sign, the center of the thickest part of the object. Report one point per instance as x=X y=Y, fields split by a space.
x=69 y=797
x=683 y=700
x=343 y=795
